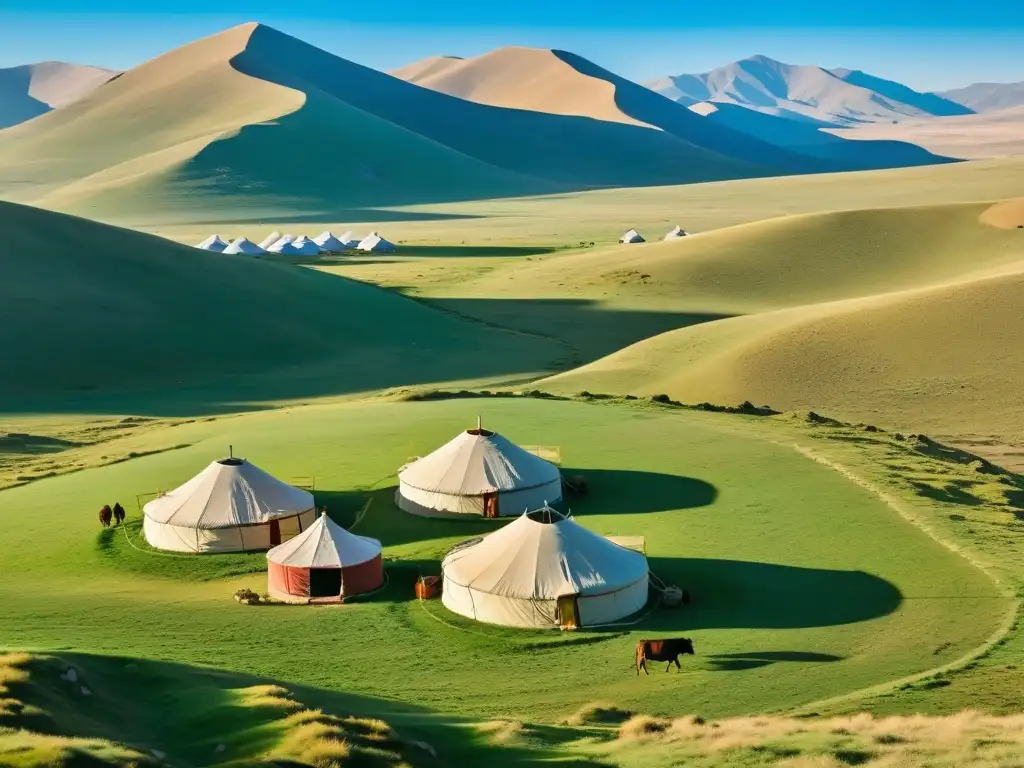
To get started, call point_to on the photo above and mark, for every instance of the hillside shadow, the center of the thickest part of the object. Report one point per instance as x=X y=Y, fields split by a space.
x=156 y=704
x=949 y=493
x=567 y=333
x=26 y=444
x=325 y=216
x=735 y=594
x=629 y=492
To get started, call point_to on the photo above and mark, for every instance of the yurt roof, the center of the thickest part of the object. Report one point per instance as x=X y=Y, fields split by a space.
x=631 y=236
x=244 y=246
x=227 y=493
x=280 y=243
x=531 y=560
x=269 y=240
x=374 y=241
x=676 y=232
x=325 y=544
x=478 y=461
x=329 y=242
x=213 y=243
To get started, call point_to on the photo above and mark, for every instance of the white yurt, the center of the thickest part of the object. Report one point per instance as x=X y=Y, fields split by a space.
x=632 y=236
x=213 y=243
x=231 y=506
x=295 y=247
x=302 y=242
x=376 y=243
x=329 y=243
x=478 y=472
x=324 y=563
x=244 y=247
x=676 y=232
x=269 y=240
x=349 y=240
x=281 y=242
x=544 y=570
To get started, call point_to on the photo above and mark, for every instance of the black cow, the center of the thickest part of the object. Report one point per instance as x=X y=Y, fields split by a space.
x=669 y=649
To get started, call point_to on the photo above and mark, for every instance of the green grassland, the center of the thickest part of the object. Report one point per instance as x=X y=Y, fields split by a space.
x=767 y=545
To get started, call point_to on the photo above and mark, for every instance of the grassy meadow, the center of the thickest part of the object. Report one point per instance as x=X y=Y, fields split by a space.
x=834 y=569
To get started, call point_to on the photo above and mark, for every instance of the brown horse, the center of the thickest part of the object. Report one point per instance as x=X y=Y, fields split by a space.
x=105 y=515
x=119 y=514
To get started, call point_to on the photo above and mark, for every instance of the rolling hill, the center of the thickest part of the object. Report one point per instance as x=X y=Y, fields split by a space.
x=804 y=92
x=87 y=309
x=31 y=90
x=988 y=97
x=252 y=119
x=920 y=332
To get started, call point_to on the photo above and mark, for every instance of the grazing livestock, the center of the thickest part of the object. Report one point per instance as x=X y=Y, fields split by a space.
x=105 y=515
x=119 y=514
x=662 y=650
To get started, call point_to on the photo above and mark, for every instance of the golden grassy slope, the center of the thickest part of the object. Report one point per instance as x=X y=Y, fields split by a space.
x=944 y=355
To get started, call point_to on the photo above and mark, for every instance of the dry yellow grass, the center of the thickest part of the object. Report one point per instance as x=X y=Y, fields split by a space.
x=964 y=739
x=1008 y=214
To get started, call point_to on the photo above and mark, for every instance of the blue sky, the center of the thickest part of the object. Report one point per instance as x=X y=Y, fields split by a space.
x=928 y=44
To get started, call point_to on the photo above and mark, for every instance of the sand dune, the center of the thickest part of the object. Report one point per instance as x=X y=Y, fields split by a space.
x=31 y=90
x=428 y=67
x=252 y=119
x=1005 y=215
x=803 y=92
x=558 y=82
x=972 y=137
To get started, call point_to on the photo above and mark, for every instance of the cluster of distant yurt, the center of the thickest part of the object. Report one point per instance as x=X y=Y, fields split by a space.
x=290 y=245
x=231 y=506
x=324 y=563
x=632 y=236
x=544 y=570
x=478 y=472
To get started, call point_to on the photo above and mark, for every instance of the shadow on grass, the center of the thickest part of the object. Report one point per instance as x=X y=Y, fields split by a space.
x=949 y=493
x=627 y=491
x=197 y=717
x=492 y=343
x=735 y=594
x=26 y=444
x=736 y=662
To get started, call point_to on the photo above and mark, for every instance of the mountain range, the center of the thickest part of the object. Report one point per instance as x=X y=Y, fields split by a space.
x=988 y=97
x=252 y=120
x=836 y=98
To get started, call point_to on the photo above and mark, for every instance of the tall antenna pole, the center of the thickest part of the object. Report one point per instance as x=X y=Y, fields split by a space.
x=231 y=451
x=479 y=423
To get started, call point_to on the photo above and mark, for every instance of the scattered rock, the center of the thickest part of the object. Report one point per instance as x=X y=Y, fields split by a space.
x=159 y=755
x=86 y=691
x=220 y=748
x=70 y=675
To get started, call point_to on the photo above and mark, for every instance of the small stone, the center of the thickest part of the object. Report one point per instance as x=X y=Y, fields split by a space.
x=159 y=755
x=220 y=748
x=70 y=675
x=86 y=691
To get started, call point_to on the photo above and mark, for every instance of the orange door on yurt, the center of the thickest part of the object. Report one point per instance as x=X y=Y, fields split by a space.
x=490 y=505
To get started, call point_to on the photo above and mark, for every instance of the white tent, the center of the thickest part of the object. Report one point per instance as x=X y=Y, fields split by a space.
x=231 y=506
x=291 y=246
x=329 y=243
x=302 y=242
x=244 y=247
x=269 y=240
x=281 y=242
x=632 y=236
x=349 y=240
x=544 y=570
x=478 y=472
x=213 y=243
x=374 y=242
x=676 y=232
x=325 y=561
